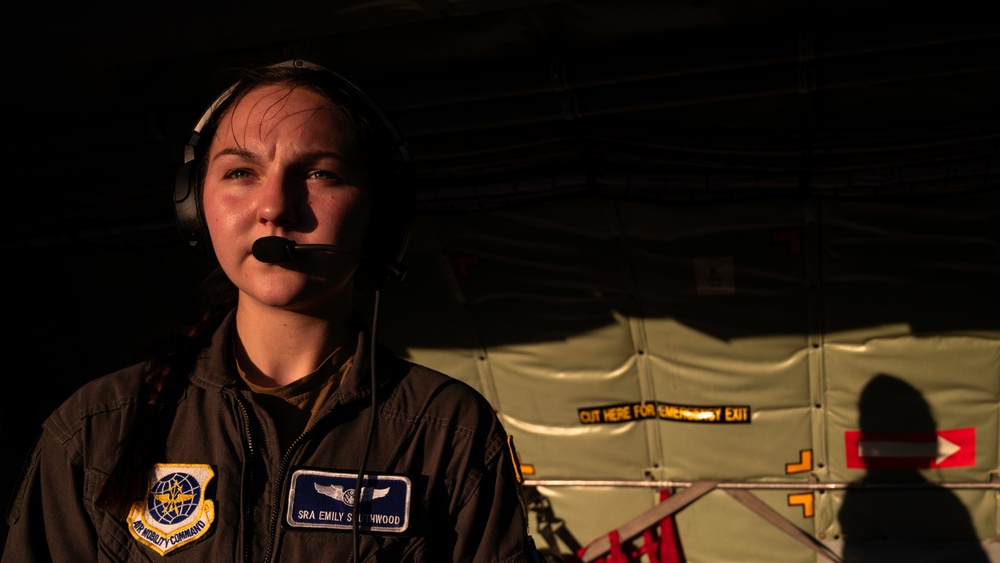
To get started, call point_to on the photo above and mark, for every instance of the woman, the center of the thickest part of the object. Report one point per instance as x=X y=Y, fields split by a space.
x=249 y=438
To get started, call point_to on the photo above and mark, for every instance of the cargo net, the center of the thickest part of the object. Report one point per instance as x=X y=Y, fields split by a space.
x=659 y=542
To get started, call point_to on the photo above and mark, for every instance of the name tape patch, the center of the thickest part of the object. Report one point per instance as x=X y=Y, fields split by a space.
x=176 y=511
x=324 y=499
x=627 y=412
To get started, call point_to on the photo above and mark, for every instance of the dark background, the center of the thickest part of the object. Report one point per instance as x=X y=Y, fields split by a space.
x=498 y=100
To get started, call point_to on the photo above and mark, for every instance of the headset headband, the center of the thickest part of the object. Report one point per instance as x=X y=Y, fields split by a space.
x=296 y=63
x=397 y=205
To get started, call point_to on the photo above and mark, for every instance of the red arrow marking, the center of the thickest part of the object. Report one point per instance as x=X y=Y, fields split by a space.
x=910 y=450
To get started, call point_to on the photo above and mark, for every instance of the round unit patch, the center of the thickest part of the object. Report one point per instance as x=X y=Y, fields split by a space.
x=176 y=512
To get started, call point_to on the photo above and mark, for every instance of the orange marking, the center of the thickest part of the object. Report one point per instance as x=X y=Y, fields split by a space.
x=805 y=463
x=804 y=499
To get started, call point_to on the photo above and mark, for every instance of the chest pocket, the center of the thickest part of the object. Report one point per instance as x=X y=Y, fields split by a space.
x=398 y=550
x=115 y=544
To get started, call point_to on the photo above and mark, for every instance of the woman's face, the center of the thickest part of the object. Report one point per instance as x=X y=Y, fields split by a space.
x=283 y=163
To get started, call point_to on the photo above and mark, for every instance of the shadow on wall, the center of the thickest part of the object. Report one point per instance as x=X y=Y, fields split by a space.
x=915 y=521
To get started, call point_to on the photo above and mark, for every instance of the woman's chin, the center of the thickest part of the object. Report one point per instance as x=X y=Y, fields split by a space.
x=306 y=296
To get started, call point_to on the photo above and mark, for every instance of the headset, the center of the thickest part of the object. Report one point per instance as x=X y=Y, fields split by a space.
x=392 y=178
x=385 y=241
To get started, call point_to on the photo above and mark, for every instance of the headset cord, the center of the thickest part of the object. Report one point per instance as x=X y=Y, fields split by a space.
x=358 y=496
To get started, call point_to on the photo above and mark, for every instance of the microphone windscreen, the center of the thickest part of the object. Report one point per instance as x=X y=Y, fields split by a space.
x=273 y=250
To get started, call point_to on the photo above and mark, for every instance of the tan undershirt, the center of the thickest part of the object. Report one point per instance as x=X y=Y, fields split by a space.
x=293 y=407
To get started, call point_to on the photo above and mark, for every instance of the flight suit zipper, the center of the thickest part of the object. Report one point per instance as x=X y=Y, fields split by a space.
x=248 y=484
x=276 y=498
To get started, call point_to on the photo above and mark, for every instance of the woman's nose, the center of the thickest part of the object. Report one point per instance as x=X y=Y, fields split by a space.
x=277 y=202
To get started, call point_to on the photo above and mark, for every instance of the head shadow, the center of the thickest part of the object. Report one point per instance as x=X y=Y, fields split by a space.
x=894 y=513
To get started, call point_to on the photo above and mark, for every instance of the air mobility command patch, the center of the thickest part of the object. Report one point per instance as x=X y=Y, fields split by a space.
x=176 y=512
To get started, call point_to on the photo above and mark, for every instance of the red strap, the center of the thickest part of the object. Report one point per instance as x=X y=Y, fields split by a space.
x=616 y=555
x=650 y=546
x=665 y=549
x=670 y=549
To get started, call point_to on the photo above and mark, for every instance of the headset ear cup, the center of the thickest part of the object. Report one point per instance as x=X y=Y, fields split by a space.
x=388 y=231
x=187 y=208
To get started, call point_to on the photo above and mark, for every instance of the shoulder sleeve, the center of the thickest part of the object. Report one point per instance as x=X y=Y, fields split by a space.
x=492 y=524
x=47 y=517
x=52 y=517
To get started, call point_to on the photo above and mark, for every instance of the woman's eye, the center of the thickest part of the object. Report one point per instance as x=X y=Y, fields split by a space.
x=238 y=174
x=324 y=175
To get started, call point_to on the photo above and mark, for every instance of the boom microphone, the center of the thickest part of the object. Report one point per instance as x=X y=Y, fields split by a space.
x=279 y=249
x=275 y=249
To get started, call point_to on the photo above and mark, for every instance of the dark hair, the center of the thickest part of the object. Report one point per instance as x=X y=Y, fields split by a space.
x=165 y=377
x=167 y=370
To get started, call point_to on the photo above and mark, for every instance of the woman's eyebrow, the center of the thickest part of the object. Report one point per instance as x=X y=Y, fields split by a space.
x=310 y=156
x=236 y=151
x=322 y=154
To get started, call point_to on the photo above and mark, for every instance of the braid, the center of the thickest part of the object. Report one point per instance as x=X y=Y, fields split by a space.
x=165 y=380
